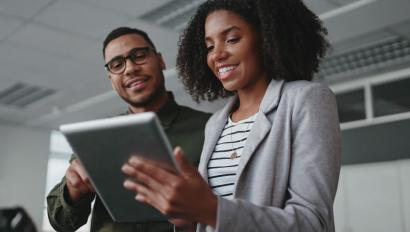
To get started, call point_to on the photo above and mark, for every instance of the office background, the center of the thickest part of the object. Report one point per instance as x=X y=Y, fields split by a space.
x=51 y=72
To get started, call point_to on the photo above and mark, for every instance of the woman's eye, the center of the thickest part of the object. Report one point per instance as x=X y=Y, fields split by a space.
x=233 y=40
x=209 y=48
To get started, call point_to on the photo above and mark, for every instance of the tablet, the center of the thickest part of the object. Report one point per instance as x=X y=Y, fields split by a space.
x=104 y=145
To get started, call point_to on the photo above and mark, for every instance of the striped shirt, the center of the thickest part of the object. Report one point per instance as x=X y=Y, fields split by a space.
x=225 y=158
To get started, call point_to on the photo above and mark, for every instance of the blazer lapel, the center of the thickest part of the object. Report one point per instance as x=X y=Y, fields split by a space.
x=262 y=124
x=212 y=136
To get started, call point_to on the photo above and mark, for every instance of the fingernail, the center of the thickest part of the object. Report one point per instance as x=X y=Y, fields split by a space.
x=138 y=197
x=135 y=160
x=127 y=184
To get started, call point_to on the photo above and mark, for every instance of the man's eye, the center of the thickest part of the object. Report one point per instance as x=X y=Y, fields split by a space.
x=115 y=64
x=139 y=55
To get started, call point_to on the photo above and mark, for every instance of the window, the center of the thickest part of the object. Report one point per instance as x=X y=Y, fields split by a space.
x=351 y=105
x=60 y=153
x=391 y=98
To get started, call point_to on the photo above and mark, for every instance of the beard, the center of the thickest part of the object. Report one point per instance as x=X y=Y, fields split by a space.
x=146 y=100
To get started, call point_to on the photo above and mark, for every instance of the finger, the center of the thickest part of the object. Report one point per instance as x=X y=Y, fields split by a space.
x=156 y=172
x=128 y=170
x=79 y=169
x=75 y=184
x=183 y=163
x=145 y=195
x=145 y=185
x=73 y=179
x=151 y=183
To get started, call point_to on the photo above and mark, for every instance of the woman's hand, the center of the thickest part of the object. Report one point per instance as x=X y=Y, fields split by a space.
x=182 y=197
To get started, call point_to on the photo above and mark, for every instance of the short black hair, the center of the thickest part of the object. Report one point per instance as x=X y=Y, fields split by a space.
x=292 y=43
x=120 y=31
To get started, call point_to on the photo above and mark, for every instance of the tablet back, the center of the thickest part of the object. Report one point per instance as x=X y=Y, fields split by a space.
x=103 y=146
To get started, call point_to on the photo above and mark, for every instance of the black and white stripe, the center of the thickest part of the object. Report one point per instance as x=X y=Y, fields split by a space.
x=221 y=168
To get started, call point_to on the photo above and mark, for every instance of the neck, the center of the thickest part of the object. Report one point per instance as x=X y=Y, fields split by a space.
x=154 y=106
x=250 y=100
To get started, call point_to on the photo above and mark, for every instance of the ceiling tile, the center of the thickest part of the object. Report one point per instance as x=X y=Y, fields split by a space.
x=23 y=8
x=81 y=18
x=8 y=24
x=6 y=83
x=361 y=41
x=50 y=41
x=320 y=6
x=402 y=28
x=133 y=8
x=16 y=58
x=110 y=107
x=166 y=41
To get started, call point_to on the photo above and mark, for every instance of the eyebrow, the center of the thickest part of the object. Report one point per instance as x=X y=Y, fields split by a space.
x=226 y=31
x=132 y=49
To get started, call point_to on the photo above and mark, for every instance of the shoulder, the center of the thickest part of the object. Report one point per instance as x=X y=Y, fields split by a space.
x=187 y=112
x=305 y=86
x=302 y=92
x=305 y=99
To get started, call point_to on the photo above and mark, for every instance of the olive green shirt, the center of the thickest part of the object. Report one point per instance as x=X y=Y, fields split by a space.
x=183 y=126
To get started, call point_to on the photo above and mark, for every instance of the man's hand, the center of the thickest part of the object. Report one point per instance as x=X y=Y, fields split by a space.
x=78 y=183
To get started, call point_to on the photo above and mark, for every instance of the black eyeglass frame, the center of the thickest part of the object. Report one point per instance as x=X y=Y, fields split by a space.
x=131 y=56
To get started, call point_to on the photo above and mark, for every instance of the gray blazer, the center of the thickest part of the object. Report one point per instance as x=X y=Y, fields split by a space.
x=289 y=169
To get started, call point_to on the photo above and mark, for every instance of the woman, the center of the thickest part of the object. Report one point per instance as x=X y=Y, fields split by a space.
x=271 y=156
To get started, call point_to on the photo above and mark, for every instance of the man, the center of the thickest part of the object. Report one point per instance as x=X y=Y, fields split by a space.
x=135 y=70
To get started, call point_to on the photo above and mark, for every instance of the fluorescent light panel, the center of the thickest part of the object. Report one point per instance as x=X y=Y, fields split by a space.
x=386 y=53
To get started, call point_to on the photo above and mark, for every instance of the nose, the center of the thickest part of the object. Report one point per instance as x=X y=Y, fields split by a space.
x=219 y=53
x=131 y=67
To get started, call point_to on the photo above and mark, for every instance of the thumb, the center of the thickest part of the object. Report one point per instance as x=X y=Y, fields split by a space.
x=182 y=162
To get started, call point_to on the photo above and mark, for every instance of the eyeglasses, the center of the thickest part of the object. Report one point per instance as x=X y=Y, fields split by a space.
x=136 y=55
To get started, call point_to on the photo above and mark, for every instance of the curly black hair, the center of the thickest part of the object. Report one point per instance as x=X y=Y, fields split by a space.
x=293 y=43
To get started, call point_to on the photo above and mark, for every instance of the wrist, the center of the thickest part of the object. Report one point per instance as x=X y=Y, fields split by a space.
x=72 y=195
x=212 y=211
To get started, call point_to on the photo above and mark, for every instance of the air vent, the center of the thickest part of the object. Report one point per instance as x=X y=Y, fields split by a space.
x=381 y=55
x=22 y=95
x=173 y=15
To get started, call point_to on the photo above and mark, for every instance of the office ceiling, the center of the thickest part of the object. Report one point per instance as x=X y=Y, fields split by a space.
x=50 y=50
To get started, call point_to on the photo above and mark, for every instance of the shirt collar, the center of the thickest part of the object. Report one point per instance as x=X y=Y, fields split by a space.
x=168 y=112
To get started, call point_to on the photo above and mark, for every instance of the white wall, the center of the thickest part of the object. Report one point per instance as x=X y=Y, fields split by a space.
x=374 y=197
x=23 y=166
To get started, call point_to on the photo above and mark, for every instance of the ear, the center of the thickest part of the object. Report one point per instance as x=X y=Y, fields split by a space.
x=161 y=61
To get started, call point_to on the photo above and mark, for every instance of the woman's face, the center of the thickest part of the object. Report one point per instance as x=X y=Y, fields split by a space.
x=234 y=53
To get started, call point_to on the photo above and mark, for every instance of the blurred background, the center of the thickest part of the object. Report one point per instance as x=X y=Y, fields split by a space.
x=51 y=72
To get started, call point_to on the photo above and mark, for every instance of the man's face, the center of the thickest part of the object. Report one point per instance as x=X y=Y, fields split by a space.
x=139 y=84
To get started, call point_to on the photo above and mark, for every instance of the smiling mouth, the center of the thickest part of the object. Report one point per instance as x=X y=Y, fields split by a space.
x=226 y=71
x=137 y=84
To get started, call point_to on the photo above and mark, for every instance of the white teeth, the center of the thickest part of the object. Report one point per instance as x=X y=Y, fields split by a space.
x=226 y=69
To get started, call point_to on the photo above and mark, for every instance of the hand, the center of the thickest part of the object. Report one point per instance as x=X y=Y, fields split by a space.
x=78 y=183
x=184 y=196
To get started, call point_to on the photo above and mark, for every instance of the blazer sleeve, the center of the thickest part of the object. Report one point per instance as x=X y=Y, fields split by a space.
x=313 y=174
